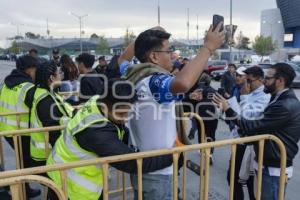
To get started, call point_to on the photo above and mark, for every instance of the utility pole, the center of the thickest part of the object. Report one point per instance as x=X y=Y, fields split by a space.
x=158 y=13
x=79 y=17
x=231 y=30
x=188 y=26
x=48 y=31
x=197 y=27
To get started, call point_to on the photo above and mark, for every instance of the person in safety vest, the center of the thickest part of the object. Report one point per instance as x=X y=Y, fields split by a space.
x=97 y=130
x=16 y=94
x=48 y=109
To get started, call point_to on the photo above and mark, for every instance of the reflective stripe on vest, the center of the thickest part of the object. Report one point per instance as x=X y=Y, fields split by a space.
x=87 y=180
x=38 y=143
x=10 y=122
x=13 y=100
x=77 y=178
x=21 y=97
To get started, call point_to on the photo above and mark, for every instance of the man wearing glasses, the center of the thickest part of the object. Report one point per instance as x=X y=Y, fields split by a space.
x=280 y=118
x=252 y=105
x=153 y=124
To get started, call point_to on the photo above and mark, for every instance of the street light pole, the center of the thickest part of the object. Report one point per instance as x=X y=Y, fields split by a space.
x=231 y=30
x=79 y=17
x=158 y=13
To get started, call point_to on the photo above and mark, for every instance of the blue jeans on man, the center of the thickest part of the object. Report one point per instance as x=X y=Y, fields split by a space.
x=155 y=186
x=270 y=186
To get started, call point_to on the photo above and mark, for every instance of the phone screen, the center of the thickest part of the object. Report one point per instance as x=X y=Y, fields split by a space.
x=216 y=20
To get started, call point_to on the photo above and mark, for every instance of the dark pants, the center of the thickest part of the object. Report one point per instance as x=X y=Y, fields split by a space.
x=238 y=187
x=52 y=195
x=210 y=130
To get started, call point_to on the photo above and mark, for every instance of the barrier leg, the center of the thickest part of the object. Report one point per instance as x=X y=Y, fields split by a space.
x=260 y=165
x=175 y=176
x=63 y=177
x=184 y=177
x=124 y=185
x=140 y=178
x=15 y=191
x=207 y=168
x=232 y=169
x=105 y=181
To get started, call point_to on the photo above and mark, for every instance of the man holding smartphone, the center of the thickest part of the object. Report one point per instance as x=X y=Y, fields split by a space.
x=158 y=92
x=253 y=101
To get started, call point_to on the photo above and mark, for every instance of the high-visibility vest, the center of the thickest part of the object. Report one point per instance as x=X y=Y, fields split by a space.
x=13 y=100
x=37 y=142
x=84 y=182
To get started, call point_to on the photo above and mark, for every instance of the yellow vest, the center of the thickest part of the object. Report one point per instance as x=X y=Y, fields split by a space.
x=85 y=182
x=37 y=142
x=13 y=100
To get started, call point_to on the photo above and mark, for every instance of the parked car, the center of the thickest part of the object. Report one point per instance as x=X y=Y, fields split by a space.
x=217 y=75
x=215 y=65
x=296 y=82
x=4 y=57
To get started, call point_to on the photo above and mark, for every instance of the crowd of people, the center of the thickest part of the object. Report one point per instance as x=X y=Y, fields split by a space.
x=126 y=108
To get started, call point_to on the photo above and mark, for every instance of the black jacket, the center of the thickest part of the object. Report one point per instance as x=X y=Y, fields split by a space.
x=282 y=119
x=17 y=77
x=90 y=85
x=104 y=141
x=227 y=82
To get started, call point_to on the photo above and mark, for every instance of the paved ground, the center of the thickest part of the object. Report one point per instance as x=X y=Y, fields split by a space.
x=218 y=185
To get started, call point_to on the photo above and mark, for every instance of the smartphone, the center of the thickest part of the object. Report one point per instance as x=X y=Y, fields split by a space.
x=216 y=20
x=221 y=91
x=200 y=85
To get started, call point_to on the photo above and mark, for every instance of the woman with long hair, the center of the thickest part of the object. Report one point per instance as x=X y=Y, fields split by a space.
x=48 y=109
x=71 y=74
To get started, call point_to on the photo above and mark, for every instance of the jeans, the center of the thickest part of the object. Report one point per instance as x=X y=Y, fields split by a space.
x=155 y=186
x=270 y=186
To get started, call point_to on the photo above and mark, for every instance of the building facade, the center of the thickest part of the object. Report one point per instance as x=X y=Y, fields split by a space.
x=290 y=12
x=272 y=26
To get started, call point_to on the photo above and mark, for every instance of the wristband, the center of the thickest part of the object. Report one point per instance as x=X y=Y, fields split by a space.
x=210 y=51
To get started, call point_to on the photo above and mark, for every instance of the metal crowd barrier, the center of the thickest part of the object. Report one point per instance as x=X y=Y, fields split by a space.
x=18 y=143
x=18 y=148
x=15 y=177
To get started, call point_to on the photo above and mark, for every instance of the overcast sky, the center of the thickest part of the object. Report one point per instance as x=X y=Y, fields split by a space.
x=111 y=17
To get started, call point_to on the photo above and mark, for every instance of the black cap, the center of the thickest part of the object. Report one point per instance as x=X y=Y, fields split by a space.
x=101 y=58
x=55 y=51
x=27 y=61
x=33 y=50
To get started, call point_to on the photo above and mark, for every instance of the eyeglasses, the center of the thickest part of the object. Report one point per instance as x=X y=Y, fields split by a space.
x=251 y=81
x=269 y=77
x=168 y=51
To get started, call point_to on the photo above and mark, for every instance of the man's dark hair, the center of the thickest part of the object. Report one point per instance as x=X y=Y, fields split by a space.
x=101 y=58
x=232 y=65
x=255 y=71
x=147 y=41
x=27 y=61
x=55 y=51
x=119 y=91
x=285 y=71
x=87 y=59
x=33 y=51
